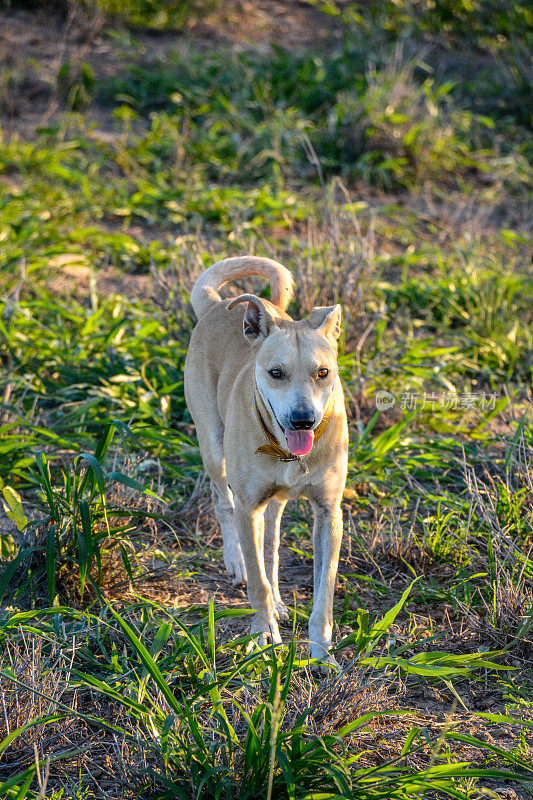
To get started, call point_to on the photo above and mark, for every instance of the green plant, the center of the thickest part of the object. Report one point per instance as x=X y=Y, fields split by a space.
x=77 y=524
x=76 y=84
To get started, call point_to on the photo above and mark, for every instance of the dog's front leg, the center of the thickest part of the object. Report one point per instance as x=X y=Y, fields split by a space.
x=251 y=527
x=327 y=536
x=273 y=514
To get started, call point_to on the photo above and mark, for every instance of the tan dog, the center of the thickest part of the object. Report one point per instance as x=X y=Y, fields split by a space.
x=268 y=405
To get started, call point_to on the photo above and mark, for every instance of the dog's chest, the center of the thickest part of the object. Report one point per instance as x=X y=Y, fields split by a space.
x=293 y=480
x=294 y=475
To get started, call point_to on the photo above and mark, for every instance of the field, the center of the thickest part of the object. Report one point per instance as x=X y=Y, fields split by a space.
x=383 y=151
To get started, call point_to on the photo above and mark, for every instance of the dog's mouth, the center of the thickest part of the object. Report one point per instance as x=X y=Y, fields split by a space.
x=299 y=443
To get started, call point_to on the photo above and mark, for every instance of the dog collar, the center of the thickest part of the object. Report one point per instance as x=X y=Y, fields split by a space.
x=273 y=449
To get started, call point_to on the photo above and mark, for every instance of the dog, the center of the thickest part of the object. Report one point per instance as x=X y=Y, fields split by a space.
x=264 y=393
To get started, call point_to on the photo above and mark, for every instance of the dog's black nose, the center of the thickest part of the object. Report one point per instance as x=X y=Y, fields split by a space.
x=302 y=419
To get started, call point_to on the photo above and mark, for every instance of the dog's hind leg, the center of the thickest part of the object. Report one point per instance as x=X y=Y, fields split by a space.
x=210 y=438
x=225 y=514
x=273 y=514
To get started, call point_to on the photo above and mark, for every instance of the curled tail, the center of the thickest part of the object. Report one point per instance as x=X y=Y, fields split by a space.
x=205 y=291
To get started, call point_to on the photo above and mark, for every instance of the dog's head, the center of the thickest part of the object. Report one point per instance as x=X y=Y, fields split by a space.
x=295 y=366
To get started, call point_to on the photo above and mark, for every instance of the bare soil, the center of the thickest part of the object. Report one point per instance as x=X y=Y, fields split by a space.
x=34 y=45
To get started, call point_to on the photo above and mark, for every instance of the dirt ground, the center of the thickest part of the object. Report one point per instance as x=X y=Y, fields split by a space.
x=34 y=45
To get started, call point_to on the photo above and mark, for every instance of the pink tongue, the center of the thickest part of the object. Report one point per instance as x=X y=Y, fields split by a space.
x=299 y=442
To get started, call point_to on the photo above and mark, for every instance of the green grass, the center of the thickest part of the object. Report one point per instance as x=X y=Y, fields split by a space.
x=389 y=172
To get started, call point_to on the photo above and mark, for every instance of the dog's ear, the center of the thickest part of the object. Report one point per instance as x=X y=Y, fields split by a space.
x=327 y=321
x=258 y=321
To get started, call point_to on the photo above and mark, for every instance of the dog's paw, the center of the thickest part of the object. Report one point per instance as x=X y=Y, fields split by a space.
x=281 y=611
x=234 y=561
x=268 y=631
x=329 y=665
x=328 y=662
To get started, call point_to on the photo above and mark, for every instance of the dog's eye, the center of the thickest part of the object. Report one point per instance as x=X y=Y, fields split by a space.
x=323 y=372
x=277 y=374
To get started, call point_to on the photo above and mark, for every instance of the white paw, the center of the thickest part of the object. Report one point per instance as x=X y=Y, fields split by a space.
x=281 y=611
x=234 y=561
x=267 y=629
x=322 y=654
